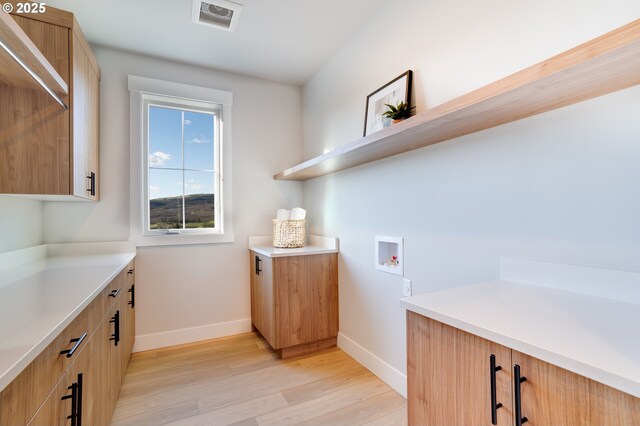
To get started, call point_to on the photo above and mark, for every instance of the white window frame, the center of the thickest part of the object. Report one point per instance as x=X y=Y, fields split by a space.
x=145 y=91
x=149 y=101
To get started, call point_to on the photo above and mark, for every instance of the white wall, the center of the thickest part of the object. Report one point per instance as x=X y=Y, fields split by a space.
x=190 y=286
x=20 y=223
x=562 y=186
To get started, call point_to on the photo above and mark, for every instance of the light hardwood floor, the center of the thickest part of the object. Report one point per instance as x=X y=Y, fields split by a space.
x=238 y=380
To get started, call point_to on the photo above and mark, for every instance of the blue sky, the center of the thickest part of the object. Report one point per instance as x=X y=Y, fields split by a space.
x=165 y=151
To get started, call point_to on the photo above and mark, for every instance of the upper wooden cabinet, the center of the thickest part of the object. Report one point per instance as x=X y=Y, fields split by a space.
x=47 y=151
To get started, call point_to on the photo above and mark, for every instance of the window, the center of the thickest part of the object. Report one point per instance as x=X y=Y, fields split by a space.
x=182 y=162
x=179 y=148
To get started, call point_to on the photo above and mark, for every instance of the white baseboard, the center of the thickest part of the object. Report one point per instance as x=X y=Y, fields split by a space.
x=380 y=368
x=147 y=342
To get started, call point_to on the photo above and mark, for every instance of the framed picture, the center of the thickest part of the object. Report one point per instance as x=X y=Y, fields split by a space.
x=395 y=91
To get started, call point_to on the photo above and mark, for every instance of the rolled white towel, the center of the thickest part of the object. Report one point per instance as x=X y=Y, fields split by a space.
x=283 y=214
x=298 y=214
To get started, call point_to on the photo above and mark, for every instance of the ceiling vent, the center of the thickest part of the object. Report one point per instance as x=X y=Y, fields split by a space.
x=219 y=14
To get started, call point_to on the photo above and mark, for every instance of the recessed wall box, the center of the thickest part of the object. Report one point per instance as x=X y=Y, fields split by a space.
x=389 y=254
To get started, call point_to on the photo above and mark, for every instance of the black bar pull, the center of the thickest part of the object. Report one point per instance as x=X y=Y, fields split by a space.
x=115 y=319
x=114 y=293
x=517 y=396
x=493 y=369
x=258 y=270
x=132 y=290
x=74 y=403
x=78 y=342
x=130 y=272
x=79 y=401
x=92 y=184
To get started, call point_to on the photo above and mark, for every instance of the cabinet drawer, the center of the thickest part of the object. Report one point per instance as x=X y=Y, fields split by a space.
x=130 y=272
x=101 y=304
x=79 y=382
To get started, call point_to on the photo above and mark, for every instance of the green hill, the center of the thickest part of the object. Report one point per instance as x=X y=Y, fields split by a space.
x=166 y=213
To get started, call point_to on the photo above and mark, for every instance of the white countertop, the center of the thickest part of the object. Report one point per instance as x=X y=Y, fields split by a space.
x=317 y=245
x=593 y=336
x=40 y=297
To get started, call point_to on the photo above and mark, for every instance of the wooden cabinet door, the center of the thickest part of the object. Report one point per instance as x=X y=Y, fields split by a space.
x=34 y=129
x=84 y=375
x=554 y=396
x=449 y=376
x=262 y=297
x=123 y=309
x=115 y=355
x=85 y=91
x=129 y=315
x=306 y=298
x=109 y=374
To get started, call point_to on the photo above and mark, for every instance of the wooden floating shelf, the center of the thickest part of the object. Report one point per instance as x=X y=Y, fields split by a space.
x=11 y=73
x=604 y=65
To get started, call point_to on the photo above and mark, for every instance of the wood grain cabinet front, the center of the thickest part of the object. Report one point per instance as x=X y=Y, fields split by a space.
x=128 y=314
x=46 y=150
x=294 y=301
x=456 y=378
x=57 y=389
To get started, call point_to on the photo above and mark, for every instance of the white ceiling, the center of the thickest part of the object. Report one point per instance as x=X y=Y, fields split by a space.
x=281 y=40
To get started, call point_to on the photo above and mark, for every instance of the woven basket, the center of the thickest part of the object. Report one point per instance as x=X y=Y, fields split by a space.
x=289 y=233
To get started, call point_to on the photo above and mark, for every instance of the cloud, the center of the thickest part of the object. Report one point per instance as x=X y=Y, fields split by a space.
x=158 y=158
x=187 y=122
x=194 y=185
x=199 y=139
x=154 y=189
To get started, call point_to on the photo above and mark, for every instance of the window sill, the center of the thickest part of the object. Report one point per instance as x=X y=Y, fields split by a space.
x=182 y=239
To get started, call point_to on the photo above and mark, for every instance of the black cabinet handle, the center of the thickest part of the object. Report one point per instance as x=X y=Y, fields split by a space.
x=92 y=184
x=76 y=402
x=132 y=290
x=79 y=402
x=258 y=270
x=493 y=369
x=517 y=396
x=78 y=342
x=114 y=293
x=130 y=272
x=115 y=320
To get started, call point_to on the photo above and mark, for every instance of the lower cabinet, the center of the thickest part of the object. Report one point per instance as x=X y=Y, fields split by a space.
x=294 y=301
x=554 y=396
x=448 y=376
x=87 y=390
x=456 y=378
x=74 y=399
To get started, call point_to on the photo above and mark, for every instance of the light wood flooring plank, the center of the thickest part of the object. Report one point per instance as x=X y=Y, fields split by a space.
x=238 y=412
x=361 y=412
x=239 y=380
x=318 y=388
x=156 y=417
x=299 y=413
x=396 y=418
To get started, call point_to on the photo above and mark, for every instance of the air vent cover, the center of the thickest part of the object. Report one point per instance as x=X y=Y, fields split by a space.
x=219 y=14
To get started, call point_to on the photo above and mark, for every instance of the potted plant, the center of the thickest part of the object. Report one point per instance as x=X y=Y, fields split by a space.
x=399 y=112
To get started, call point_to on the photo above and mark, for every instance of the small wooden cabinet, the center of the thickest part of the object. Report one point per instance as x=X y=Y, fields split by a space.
x=46 y=150
x=294 y=301
x=86 y=384
x=451 y=382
